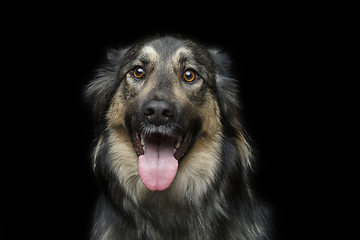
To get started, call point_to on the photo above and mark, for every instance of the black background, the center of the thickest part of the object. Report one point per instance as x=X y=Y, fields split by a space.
x=271 y=58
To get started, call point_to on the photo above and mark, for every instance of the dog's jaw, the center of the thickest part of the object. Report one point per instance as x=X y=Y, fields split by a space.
x=159 y=157
x=181 y=145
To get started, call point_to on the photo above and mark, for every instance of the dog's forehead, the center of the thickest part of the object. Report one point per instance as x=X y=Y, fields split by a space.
x=149 y=53
x=169 y=54
x=167 y=49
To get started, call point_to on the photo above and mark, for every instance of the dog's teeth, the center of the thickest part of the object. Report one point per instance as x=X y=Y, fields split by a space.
x=178 y=139
x=144 y=148
x=142 y=140
x=174 y=151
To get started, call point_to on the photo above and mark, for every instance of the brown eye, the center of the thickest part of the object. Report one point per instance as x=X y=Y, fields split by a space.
x=138 y=72
x=189 y=76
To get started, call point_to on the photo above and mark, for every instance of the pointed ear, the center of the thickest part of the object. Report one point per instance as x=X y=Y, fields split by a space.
x=100 y=90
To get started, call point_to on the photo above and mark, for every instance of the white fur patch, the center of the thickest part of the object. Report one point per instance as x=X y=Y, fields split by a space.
x=149 y=52
x=181 y=51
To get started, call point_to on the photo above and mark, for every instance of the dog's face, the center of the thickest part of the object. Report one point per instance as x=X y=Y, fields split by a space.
x=164 y=84
x=163 y=102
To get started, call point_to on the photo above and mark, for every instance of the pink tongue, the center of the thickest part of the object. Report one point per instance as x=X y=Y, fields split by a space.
x=158 y=166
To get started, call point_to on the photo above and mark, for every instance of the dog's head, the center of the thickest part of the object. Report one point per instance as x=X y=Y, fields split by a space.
x=170 y=98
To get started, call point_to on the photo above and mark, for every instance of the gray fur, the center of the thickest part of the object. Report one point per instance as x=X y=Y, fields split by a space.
x=220 y=206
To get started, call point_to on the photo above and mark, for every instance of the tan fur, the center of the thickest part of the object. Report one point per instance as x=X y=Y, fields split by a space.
x=124 y=161
x=196 y=170
x=244 y=150
x=195 y=205
x=150 y=52
x=115 y=114
x=96 y=151
x=181 y=51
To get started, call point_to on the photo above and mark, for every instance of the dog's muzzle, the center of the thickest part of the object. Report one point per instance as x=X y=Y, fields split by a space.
x=158 y=112
x=159 y=146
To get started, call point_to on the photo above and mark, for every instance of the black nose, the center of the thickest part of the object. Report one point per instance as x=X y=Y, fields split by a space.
x=158 y=112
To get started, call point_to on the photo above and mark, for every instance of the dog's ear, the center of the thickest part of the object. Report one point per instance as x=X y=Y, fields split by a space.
x=227 y=86
x=100 y=90
x=228 y=95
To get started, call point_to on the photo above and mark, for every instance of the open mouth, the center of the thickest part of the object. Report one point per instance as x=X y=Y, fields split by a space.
x=179 y=149
x=158 y=158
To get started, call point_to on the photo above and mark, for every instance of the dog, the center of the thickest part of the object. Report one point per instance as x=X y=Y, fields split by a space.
x=171 y=155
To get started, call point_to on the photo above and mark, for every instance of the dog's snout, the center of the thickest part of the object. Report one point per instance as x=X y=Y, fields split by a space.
x=158 y=112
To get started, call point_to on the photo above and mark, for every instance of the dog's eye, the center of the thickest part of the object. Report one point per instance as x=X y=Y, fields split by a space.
x=189 y=76
x=138 y=72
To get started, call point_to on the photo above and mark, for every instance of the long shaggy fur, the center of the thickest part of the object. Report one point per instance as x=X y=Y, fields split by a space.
x=211 y=195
